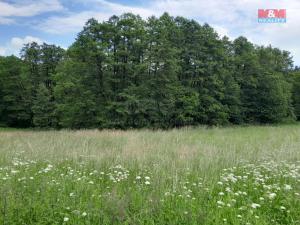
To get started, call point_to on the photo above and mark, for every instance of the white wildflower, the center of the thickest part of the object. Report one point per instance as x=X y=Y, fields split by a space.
x=272 y=195
x=220 y=203
x=14 y=171
x=228 y=189
x=287 y=187
x=255 y=205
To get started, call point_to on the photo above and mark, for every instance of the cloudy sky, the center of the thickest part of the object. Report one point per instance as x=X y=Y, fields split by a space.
x=58 y=21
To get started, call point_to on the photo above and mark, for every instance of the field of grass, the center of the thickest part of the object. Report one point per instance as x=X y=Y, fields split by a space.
x=237 y=175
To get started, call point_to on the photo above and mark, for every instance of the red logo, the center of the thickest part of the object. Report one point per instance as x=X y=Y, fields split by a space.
x=272 y=15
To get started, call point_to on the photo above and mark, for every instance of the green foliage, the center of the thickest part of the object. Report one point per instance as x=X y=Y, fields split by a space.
x=43 y=108
x=186 y=102
x=75 y=105
x=265 y=92
x=160 y=73
x=15 y=95
x=272 y=98
x=296 y=94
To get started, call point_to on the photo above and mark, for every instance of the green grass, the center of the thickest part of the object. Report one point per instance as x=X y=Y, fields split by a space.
x=237 y=175
x=8 y=129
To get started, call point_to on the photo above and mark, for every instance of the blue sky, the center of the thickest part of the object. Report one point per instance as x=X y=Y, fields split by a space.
x=59 y=21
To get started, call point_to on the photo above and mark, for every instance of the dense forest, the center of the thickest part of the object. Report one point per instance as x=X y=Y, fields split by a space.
x=156 y=73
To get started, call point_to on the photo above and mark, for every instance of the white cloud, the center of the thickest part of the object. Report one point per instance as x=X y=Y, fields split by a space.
x=69 y=23
x=239 y=17
x=4 y=20
x=26 y=8
x=229 y=17
x=221 y=31
x=73 y=22
x=119 y=8
x=285 y=36
x=2 y=51
x=16 y=44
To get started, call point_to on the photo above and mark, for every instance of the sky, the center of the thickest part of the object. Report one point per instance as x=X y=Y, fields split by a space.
x=59 y=21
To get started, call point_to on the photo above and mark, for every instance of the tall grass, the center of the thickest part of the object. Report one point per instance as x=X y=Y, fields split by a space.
x=151 y=177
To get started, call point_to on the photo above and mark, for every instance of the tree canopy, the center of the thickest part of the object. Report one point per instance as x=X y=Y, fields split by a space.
x=157 y=73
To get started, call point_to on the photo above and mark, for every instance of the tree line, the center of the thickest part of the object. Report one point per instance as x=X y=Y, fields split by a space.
x=157 y=73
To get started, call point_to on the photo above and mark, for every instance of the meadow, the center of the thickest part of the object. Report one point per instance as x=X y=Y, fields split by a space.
x=235 y=175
